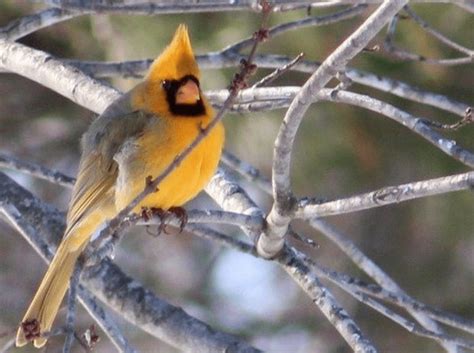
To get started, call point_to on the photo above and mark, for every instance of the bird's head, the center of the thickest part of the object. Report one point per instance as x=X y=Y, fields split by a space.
x=172 y=87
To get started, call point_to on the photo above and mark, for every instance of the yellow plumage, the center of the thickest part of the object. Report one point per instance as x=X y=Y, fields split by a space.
x=138 y=136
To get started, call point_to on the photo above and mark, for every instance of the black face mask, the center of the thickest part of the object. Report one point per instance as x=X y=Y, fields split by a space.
x=171 y=87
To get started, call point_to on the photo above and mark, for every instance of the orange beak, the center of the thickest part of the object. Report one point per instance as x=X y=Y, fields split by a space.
x=188 y=93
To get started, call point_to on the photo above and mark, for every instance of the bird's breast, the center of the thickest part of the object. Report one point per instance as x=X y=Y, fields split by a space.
x=154 y=150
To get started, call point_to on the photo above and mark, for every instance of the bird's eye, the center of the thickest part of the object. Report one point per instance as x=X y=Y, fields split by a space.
x=166 y=84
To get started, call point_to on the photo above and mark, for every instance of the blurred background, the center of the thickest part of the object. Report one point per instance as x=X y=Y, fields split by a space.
x=427 y=245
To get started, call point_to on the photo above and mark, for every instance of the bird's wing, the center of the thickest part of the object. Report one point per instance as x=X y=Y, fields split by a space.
x=98 y=170
x=94 y=188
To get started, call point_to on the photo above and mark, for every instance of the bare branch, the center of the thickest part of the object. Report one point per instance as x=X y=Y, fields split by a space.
x=441 y=37
x=401 y=54
x=380 y=277
x=278 y=72
x=8 y=345
x=169 y=323
x=387 y=195
x=345 y=14
x=28 y=62
x=325 y=301
x=23 y=26
x=254 y=222
x=217 y=60
x=71 y=306
x=279 y=97
x=105 y=322
x=395 y=295
x=272 y=240
x=54 y=74
x=417 y=125
x=247 y=170
x=159 y=7
x=35 y=170
x=230 y=196
x=450 y=343
x=35 y=233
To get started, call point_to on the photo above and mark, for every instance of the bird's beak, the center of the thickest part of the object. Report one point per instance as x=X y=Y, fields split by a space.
x=188 y=93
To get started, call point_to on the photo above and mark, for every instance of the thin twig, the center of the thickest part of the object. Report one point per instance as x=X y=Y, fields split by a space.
x=8 y=346
x=392 y=49
x=176 y=6
x=325 y=301
x=236 y=48
x=466 y=120
x=71 y=306
x=278 y=72
x=36 y=170
x=25 y=25
x=105 y=321
x=247 y=170
x=441 y=37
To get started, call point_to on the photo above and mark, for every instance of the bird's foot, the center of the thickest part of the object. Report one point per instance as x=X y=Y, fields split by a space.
x=150 y=212
x=181 y=214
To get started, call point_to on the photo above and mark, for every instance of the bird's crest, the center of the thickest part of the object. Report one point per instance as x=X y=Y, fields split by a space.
x=177 y=60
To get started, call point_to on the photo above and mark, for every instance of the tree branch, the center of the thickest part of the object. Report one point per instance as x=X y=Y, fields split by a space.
x=230 y=196
x=441 y=37
x=62 y=78
x=271 y=241
x=323 y=298
x=279 y=97
x=386 y=196
x=159 y=7
x=236 y=48
x=25 y=25
x=35 y=170
x=401 y=89
x=388 y=289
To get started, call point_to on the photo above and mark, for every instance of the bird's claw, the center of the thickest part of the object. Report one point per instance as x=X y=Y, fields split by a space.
x=182 y=215
x=149 y=212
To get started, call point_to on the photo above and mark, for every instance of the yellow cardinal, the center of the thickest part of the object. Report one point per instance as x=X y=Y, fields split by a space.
x=137 y=136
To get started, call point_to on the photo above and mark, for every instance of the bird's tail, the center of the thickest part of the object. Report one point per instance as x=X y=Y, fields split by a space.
x=45 y=305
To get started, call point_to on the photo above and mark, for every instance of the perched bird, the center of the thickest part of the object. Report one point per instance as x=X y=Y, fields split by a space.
x=136 y=137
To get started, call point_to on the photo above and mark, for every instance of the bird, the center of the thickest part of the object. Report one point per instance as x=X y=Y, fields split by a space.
x=136 y=138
